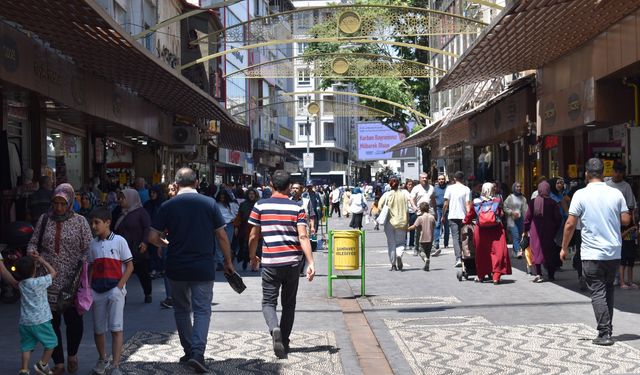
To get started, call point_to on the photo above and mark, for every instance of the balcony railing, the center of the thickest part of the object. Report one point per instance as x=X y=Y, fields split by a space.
x=268 y=146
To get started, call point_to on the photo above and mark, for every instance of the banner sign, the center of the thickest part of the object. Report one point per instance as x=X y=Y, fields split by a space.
x=374 y=139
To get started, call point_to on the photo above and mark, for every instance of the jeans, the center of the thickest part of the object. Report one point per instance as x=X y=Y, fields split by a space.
x=455 y=225
x=395 y=238
x=75 y=328
x=599 y=275
x=274 y=278
x=438 y=231
x=167 y=283
x=219 y=255
x=516 y=232
x=412 y=234
x=196 y=297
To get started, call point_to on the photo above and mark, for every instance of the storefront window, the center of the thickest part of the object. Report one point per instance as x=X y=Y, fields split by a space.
x=65 y=157
x=554 y=167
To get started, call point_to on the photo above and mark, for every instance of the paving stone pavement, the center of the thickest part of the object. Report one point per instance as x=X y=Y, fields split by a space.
x=425 y=322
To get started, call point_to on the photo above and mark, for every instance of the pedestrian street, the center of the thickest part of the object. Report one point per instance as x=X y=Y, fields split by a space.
x=422 y=322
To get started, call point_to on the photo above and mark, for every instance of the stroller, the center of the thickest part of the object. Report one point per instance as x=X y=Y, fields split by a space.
x=468 y=253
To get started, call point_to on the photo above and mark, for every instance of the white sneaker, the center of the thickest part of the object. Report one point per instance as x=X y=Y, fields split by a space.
x=115 y=371
x=101 y=367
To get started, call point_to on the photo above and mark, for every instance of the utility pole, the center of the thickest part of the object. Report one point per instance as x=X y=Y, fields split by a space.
x=308 y=131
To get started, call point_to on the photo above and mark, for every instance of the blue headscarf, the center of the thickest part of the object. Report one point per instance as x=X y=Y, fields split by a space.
x=357 y=190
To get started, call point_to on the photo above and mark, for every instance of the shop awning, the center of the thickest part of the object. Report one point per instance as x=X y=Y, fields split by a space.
x=417 y=139
x=83 y=31
x=531 y=33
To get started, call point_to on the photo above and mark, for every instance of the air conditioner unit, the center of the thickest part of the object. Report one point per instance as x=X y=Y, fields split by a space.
x=185 y=135
x=200 y=156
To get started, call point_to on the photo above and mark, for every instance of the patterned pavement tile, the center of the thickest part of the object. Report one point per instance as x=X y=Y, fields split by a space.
x=436 y=321
x=520 y=349
x=411 y=301
x=234 y=352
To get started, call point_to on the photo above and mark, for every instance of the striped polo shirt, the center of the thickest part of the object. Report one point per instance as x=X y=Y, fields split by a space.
x=107 y=258
x=278 y=218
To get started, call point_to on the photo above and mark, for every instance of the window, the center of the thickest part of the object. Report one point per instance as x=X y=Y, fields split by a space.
x=329 y=131
x=302 y=47
x=303 y=130
x=303 y=102
x=304 y=76
x=329 y=104
x=119 y=12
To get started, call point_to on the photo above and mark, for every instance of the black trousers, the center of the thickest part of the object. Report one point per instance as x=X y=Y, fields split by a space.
x=141 y=269
x=335 y=207
x=600 y=275
x=274 y=279
x=75 y=328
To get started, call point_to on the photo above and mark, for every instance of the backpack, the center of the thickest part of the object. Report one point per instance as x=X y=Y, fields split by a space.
x=487 y=212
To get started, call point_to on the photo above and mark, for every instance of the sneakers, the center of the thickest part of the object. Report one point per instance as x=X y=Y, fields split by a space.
x=148 y=299
x=519 y=255
x=426 y=265
x=399 y=263
x=185 y=358
x=278 y=346
x=437 y=252
x=115 y=371
x=604 y=340
x=42 y=369
x=23 y=372
x=196 y=362
x=538 y=279
x=101 y=367
x=458 y=264
x=167 y=303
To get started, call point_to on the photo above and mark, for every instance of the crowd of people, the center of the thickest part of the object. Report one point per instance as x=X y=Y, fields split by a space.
x=197 y=230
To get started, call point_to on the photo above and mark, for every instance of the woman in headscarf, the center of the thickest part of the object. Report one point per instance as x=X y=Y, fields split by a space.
x=65 y=244
x=492 y=255
x=559 y=195
x=357 y=205
x=515 y=207
x=345 y=201
x=85 y=205
x=243 y=227
x=156 y=198
x=396 y=222
x=541 y=224
x=133 y=225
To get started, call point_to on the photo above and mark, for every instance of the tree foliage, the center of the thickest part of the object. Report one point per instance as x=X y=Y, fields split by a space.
x=411 y=92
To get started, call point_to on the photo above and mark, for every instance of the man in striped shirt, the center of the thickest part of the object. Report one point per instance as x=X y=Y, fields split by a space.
x=282 y=224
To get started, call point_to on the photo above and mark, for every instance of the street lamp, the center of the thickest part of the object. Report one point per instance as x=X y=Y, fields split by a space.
x=312 y=109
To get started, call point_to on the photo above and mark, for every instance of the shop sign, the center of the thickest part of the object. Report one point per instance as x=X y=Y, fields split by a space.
x=44 y=72
x=574 y=106
x=572 y=170
x=608 y=167
x=10 y=57
x=122 y=178
x=549 y=114
x=550 y=141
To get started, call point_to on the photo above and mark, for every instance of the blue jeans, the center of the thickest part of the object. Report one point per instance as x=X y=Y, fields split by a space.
x=438 y=231
x=196 y=297
x=219 y=255
x=516 y=232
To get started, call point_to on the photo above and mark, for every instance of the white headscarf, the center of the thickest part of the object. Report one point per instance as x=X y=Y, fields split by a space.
x=487 y=190
x=133 y=201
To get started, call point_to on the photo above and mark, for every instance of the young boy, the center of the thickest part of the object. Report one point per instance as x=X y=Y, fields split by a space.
x=427 y=223
x=628 y=258
x=35 y=314
x=110 y=265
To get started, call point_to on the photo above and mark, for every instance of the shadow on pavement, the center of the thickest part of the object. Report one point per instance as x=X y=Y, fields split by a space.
x=227 y=366
x=316 y=349
x=626 y=337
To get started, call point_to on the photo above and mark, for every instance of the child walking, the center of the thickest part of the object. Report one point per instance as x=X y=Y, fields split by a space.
x=374 y=213
x=35 y=314
x=628 y=258
x=427 y=223
x=110 y=266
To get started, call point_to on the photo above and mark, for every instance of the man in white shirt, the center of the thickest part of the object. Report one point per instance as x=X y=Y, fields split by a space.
x=601 y=220
x=457 y=201
x=617 y=181
x=423 y=193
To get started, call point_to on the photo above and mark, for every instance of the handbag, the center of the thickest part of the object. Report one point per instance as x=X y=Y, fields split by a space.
x=367 y=220
x=524 y=242
x=62 y=299
x=382 y=217
x=84 y=296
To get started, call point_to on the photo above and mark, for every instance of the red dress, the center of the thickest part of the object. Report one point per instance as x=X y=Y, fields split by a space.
x=492 y=255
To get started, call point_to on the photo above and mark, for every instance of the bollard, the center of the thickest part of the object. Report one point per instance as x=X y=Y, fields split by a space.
x=343 y=255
